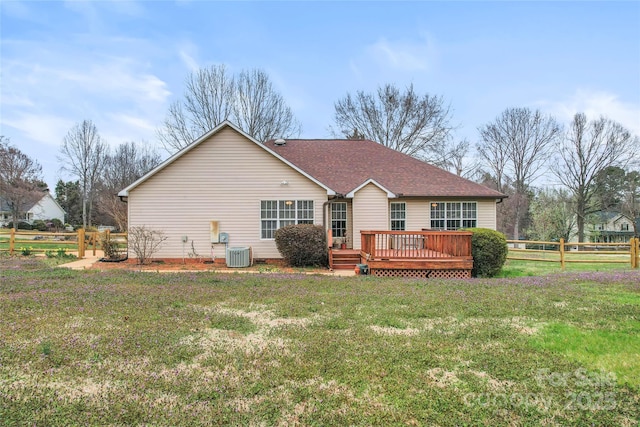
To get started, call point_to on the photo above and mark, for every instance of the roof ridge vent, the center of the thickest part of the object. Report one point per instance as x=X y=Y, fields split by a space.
x=280 y=141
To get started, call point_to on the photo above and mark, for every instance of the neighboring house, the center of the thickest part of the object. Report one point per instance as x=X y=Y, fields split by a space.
x=45 y=209
x=228 y=182
x=611 y=227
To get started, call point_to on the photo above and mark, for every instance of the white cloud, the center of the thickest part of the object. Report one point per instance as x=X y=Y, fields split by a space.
x=43 y=128
x=55 y=85
x=414 y=55
x=595 y=104
x=187 y=52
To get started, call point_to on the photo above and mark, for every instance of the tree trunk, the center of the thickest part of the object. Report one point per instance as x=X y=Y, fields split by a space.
x=84 y=213
x=580 y=224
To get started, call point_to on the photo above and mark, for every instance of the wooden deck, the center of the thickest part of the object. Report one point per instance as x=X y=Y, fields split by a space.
x=417 y=253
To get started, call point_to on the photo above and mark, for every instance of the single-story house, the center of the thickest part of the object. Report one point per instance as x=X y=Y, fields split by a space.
x=227 y=189
x=47 y=208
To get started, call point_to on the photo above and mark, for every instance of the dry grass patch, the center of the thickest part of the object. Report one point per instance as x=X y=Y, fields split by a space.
x=388 y=330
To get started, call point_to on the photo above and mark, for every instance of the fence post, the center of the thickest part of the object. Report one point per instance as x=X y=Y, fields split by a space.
x=81 y=242
x=12 y=241
x=633 y=249
x=95 y=242
x=562 y=253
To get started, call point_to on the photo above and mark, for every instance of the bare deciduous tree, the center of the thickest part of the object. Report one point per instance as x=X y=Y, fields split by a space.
x=406 y=122
x=213 y=95
x=587 y=149
x=21 y=183
x=518 y=144
x=83 y=155
x=454 y=156
x=128 y=162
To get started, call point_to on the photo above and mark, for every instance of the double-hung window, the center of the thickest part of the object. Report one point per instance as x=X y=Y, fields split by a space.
x=279 y=213
x=339 y=219
x=453 y=215
x=398 y=216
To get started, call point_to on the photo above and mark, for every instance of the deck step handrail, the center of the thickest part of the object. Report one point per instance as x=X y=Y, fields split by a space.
x=424 y=244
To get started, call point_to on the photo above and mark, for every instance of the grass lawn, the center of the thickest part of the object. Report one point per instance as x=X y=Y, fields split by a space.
x=37 y=245
x=138 y=348
x=516 y=268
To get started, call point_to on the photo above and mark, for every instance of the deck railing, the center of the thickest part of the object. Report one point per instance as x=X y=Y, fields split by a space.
x=415 y=244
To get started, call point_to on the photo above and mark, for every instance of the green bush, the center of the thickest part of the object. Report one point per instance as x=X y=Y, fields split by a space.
x=110 y=247
x=489 y=250
x=302 y=245
x=39 y=225
x=21 y=226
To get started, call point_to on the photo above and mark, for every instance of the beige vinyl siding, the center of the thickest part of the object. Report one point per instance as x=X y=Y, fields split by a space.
x=370 y=211
x=223 y=179
x=487 y=214
x=350 y=233
x=417 y=214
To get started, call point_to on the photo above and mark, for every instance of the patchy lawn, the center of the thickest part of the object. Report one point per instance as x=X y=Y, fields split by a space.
x=129 y=348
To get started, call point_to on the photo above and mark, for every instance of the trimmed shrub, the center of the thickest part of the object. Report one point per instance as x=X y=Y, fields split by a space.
x=39 y=225
x=21 y=226
x=489 y=250
x=110 y=247
x=302 y=245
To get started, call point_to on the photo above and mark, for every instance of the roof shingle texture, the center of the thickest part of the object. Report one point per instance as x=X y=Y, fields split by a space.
x=343 y=165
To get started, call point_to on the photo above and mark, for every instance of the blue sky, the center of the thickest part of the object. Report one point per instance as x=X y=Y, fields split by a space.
x=120 y=63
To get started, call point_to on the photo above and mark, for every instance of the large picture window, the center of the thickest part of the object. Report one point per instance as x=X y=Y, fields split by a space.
x=398 y=216
x=339 y=219
x=453 y=215
x=279 y=213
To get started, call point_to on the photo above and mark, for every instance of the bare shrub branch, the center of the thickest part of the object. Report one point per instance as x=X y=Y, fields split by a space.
x=145 y=242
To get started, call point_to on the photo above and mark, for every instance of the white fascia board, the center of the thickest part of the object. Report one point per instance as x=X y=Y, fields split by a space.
x=352 y=193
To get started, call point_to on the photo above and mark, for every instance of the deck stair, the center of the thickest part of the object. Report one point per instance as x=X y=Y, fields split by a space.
x=344 y=259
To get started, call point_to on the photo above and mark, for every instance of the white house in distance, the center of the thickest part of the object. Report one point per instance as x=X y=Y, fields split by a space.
x=228 y=186
x=44 y=209
x=611 y=227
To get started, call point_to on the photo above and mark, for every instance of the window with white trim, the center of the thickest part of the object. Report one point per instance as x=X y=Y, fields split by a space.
x=453 y=215
x=398 y=216
x=339 y=219
x=279 y=213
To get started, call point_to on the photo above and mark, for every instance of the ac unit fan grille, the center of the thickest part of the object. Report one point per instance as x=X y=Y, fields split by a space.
x=238 y=257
